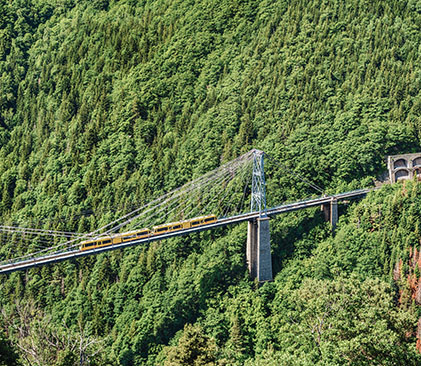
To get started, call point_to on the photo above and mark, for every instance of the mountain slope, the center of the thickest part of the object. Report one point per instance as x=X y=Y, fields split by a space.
x=104 y=106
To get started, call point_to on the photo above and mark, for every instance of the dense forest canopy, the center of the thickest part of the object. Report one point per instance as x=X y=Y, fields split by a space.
x=106 y=104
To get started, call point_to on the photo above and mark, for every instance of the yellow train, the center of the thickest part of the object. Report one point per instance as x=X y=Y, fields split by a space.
x=146 y=233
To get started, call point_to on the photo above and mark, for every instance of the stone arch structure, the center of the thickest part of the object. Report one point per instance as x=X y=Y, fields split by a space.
x=400 y=163
x=402 y=174
x=416 y=162
x=404 y=166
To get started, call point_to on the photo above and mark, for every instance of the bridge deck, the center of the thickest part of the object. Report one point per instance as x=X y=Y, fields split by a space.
x=59 y=257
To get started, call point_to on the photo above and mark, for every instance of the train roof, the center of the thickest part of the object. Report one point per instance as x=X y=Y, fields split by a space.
x=114 y=235
x=182 y=221
x=131 y=232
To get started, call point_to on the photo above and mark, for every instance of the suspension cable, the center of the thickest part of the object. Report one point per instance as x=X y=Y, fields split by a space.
x=283 y=166
x=229 y=167
x=17 y=229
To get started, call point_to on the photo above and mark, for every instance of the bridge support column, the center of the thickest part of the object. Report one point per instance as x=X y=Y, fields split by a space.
x=325 y=208
x=330 y=211
x=259 y=258
x=334 y=213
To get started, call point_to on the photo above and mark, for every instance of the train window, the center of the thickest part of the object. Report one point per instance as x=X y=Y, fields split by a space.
x=129 y=237
x=162 y=229
x=142 y=233
x=209 y=219
x=195 y=223
x=106 y=242
x=176 y=227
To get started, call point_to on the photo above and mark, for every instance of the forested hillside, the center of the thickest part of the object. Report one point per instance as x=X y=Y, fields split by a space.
x=107 y=104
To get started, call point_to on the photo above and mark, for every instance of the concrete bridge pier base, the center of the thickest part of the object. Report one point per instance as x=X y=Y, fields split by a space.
x=259 y=258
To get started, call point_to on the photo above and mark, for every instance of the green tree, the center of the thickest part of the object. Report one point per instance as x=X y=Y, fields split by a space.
x=193 y=348
x=8 y=355
x=345 y=320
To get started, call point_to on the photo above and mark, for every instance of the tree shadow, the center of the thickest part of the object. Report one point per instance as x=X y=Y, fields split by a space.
x=298 y=238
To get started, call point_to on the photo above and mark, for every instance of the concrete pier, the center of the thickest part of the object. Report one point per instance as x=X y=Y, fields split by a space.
x=334 y=214
x=330 y=212
x=325 y=208
x=259 y=257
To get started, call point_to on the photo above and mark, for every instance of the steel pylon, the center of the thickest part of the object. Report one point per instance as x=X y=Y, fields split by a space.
x=258 y=185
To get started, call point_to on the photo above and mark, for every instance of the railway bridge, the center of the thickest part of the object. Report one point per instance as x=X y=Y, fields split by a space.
x=175 y=203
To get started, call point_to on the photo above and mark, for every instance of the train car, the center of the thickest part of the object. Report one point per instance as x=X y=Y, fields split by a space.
x=134 y=235
x=96 y=243
x=203 y=220
x=168 y=228
x=186 y=224
x=115 y=239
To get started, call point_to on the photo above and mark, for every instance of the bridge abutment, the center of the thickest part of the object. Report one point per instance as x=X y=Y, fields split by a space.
x=259 y=257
